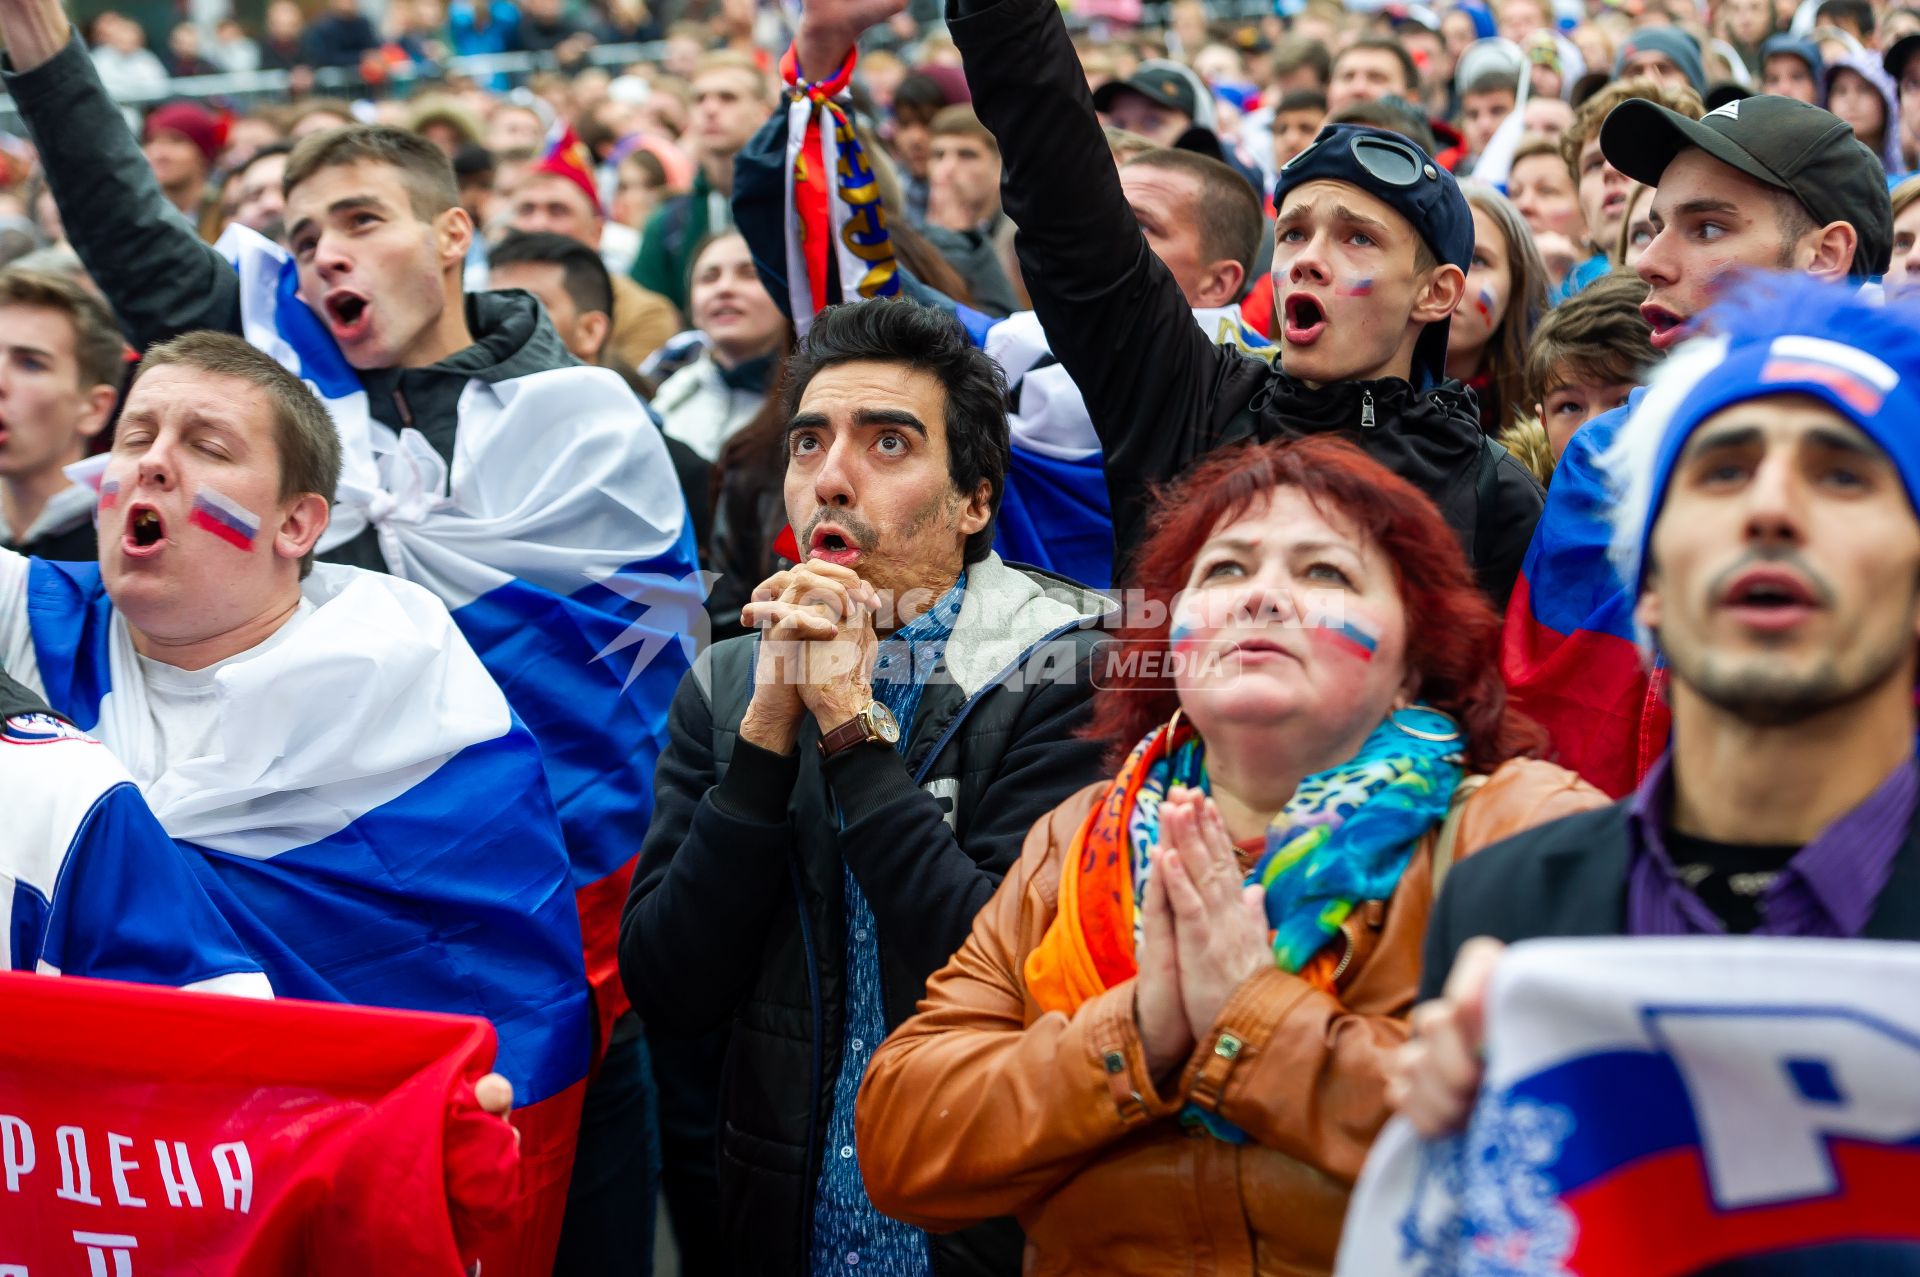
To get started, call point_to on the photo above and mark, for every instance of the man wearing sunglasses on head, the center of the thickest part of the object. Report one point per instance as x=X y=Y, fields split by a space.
x=1371 y=246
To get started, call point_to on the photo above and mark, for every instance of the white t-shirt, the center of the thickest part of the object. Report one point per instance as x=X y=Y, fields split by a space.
x=185 y=704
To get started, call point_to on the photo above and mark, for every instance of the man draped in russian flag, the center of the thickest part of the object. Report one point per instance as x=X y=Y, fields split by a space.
x=530 y=494
x=351 y=787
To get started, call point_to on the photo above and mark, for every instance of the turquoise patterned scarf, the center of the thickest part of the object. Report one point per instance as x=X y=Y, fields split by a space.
x=1344 y=838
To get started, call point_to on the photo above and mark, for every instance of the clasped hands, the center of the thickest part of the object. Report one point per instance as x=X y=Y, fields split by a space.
x=1204 y=932
x=817 y=649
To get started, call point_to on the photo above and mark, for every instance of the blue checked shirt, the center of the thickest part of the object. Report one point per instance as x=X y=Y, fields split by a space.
x=849 y=1236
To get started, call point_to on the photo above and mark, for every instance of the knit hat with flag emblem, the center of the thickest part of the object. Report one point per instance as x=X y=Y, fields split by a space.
x=1770 y=335
x=569 y=158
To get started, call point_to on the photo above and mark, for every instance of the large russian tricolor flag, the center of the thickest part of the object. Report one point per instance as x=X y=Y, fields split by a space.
x=559 y=539
x=372 y=821
x=1568 y=650
x=1654 y=1108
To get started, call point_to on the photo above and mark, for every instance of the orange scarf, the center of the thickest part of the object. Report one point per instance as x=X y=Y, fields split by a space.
x=1088 y=948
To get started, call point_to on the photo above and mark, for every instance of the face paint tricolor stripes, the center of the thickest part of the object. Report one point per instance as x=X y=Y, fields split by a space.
x=1346 y=637
x=109 y=494
x=1355 y=288
x=1484 y=304
x=225 y=518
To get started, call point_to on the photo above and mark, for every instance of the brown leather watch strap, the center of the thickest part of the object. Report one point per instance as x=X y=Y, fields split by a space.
x=855 y=731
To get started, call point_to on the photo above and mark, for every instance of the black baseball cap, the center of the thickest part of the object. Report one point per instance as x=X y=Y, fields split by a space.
x=1163 y=88
x=1807 y=152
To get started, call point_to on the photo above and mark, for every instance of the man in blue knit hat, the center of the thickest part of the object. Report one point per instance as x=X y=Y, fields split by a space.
x=1767 y=528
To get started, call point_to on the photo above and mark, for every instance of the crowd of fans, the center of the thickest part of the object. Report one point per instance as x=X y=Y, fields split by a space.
x=926 y=929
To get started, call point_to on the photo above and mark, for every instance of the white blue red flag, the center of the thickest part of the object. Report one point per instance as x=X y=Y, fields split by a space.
x=1054 y=514
x=1654 y=1108
x=372 y=821
x=559 y=539
x=90 y=884
x=1569 y=650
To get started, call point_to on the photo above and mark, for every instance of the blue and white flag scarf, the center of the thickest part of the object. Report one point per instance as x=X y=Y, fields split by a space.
x=559 y=539
x=1653 y=1108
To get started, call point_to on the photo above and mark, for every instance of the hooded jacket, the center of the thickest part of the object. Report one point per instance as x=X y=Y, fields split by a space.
x=737 y=913
x=1867 y=67
x=64 y=529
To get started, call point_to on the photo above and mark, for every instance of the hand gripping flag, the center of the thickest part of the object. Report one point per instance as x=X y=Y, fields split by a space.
x=90 y=885
x=255 y=1139
x=1653 y=1108
x=559 y=540
x=372 y=823
x=835 y=219
x=1568 y=649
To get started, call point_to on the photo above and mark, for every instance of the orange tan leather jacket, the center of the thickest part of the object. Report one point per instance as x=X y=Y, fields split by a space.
x=981 y=1106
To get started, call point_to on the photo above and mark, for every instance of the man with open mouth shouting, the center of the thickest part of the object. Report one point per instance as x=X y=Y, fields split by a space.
x=846 y=789
x=554 y=531
x=1764 y=184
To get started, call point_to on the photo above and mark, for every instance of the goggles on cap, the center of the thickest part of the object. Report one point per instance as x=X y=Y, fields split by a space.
x=1388 y=161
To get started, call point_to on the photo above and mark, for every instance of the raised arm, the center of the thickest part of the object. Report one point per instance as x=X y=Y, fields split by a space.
x=1113 y=314
x=158 y=276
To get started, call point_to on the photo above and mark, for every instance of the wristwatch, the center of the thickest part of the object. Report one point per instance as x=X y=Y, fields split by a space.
x=872 y=725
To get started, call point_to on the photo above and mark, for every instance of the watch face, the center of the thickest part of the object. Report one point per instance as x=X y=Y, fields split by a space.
x=883 y=723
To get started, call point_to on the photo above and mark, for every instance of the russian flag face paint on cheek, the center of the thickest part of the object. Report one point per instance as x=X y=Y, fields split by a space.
x=1484 y=304
x=1354 y=288
x=1346 y=637
x=109 y=493
x=225 y=518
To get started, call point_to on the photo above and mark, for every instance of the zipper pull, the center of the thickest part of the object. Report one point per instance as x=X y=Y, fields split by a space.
x=1366 y=410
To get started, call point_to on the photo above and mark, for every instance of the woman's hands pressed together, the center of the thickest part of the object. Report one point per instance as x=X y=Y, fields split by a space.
x=1204 y=931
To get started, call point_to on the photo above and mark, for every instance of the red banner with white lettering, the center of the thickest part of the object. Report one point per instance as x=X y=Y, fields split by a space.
x=149 y=1131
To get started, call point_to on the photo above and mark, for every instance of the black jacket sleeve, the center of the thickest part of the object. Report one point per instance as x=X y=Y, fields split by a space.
x=712 y=871
x=1505 y=531
x=923 y=885
x=1112 y=312
x=157 y=274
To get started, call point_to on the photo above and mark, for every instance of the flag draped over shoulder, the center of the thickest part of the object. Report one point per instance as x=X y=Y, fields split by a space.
x=1055 y=513
x=90 y=884
x=372 y=822
x=559 y=539
x=1653 y=1108
x=255 y=1139
x=1568 y=649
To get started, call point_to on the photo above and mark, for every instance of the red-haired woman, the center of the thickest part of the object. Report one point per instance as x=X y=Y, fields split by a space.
x=1163 y=1048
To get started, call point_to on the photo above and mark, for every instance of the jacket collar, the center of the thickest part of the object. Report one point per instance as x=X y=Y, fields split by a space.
x=1007 y=610
x=1445 y=415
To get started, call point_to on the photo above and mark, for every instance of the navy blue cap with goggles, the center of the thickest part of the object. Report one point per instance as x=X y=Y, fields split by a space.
x=1397 y=172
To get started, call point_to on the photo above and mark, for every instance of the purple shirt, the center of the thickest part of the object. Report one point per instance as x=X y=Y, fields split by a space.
x=1828 y=888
